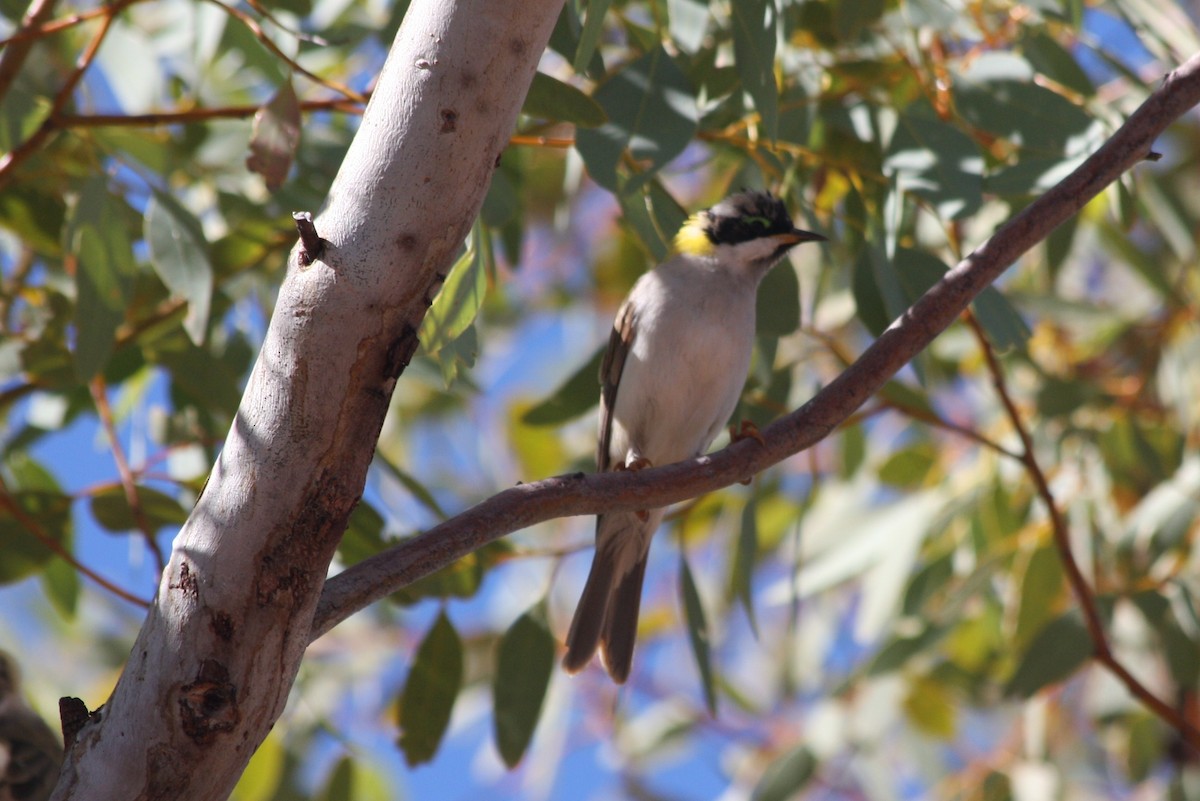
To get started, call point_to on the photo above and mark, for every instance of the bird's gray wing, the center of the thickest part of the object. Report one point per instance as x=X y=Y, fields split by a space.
x=619 y=343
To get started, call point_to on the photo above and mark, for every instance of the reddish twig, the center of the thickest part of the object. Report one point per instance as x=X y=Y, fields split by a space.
x=9 y=503
x=1062 y=543
x=15 y=53
x=21 y=152
x=104 y=410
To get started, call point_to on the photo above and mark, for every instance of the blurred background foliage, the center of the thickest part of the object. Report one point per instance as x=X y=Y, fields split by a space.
x=888 y=615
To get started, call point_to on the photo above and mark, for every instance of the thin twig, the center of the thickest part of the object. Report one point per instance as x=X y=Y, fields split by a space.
x=13 y=57
x=193 y=115
x=269 y=43
x=31 y=145
x=1062 y=543
x=104 y=410
x=9 y=503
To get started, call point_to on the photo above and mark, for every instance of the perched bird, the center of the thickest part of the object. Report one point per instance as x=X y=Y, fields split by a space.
x=676 y=363
x=30 y=753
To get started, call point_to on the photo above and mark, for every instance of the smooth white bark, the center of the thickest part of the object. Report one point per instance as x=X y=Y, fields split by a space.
x=211 y=669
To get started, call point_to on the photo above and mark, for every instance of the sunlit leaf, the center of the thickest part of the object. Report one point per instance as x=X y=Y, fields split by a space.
x=179 y=255
x=458 y=300
x=754 y=54
x=551 y=99
x=104 y=270
x=651 y=114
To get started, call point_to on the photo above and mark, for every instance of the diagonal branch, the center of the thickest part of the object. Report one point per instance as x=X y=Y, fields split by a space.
x=579 y=494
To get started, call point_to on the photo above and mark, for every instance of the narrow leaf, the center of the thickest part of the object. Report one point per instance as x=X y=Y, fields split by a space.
x=523 y=667
x=179 y=255
x=784 y=777
x=573 y=397
x=97 y=241
x=1056 y=652
x=111 y=509
x=458 y=301
x=741 y=579
x=754 y=54
x=589 y=37
x=551 y=99
x=652 y=113
x=430 y=691
x=697 y=625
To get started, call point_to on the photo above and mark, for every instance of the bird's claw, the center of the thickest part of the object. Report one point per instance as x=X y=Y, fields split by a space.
x=747 y=430
x=640 y=463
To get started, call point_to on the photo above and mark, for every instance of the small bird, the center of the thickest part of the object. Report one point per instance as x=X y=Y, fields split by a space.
x=676 y=362
x=30 y=753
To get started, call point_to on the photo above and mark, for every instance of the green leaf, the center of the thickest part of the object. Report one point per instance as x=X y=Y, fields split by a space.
x=199 y=374
x=24 y=550
x=275 y=137
x=651 y=114
x=754 y=54
x=60 y=580
x=998 y=95
x=579 y=393
x=524 y=664
x=908 y=468
x=697 y=624
x=1055 y=62
x=430 y=691
x=340 y=784
x=851 y=19
x=786 y=776
x=778 y=303
x=1058 y=650
x=741 y=577
x=418 y=490
x=458 y=301
x=111 y=509
x=930 y=707
x=179 y=254
x=1041 y=586
x=551 y=99
x=589 y=37
x=936 y=162
x=461 y=579
x=104 y=273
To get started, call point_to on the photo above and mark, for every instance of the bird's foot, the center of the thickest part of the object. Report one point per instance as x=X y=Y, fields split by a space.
x=640 y=463
x=747 y=430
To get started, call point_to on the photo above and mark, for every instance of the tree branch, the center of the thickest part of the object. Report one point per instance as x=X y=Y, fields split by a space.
x=1062 y=543
x=527 y=504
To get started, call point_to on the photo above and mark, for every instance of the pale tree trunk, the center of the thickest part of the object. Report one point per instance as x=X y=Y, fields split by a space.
x=211 y=669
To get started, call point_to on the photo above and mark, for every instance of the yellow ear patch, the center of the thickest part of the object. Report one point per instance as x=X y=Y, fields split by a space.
x=691 y=239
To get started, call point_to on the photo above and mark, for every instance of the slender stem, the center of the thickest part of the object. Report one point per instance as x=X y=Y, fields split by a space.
x=1062 y=543
x=14 y=55
x=31 y=145
x=9 y=503
x=128 y=484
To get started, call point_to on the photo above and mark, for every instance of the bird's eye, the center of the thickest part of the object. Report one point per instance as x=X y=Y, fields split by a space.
x=763 y=221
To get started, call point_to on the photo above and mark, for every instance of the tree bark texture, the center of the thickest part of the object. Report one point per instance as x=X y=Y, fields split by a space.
x=211 y=668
